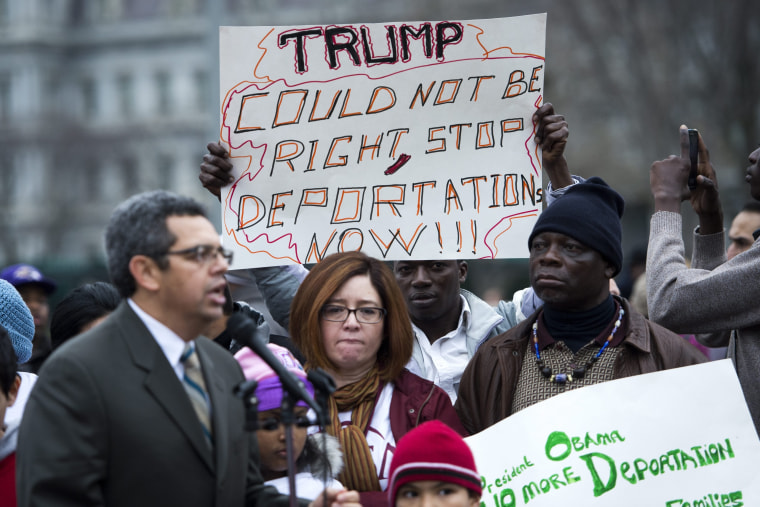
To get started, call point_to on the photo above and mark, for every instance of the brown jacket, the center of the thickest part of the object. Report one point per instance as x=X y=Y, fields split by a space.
x=489 y=381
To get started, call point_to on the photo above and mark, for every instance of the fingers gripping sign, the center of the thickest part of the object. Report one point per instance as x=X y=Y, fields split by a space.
x=551 y=135
x=216 y=169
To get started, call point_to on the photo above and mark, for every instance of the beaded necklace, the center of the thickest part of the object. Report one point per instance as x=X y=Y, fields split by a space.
x=579 y=372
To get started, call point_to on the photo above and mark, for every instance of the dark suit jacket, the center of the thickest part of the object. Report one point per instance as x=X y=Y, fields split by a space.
x=109 y=423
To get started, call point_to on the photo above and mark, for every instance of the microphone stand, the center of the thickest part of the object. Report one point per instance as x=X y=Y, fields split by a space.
x=288 y=418
x=324 y=386
x=246 y=392
x=246 y=332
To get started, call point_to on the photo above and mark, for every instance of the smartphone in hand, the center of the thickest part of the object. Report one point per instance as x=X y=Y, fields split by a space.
x=693 y=157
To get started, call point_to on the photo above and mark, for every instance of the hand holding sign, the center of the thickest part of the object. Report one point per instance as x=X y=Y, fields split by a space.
x=551 y=137
x=216 y=169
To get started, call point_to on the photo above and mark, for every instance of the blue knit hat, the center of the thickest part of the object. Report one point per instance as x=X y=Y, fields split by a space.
x=16 y=318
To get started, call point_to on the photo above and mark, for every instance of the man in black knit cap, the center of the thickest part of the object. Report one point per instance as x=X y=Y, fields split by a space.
x=583 y=335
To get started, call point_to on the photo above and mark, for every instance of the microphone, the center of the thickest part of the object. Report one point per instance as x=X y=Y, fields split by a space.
x=324 y=386
x=247 y=332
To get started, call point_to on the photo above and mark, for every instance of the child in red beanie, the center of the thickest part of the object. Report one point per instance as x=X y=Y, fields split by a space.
x=433 y=466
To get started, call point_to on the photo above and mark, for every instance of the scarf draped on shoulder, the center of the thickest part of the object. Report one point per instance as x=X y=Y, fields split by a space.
x=359 y=472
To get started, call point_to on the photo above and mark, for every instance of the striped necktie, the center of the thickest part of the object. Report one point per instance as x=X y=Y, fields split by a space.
x=195 y=387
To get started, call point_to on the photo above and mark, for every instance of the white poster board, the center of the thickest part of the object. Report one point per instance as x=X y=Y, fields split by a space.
x=408 y=140
x=676 y=438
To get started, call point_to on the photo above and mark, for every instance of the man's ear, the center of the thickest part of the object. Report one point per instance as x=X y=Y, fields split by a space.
x=609 y=270
x=614 y=289
x=13 y=392
x=146 y=272
x=462 y=267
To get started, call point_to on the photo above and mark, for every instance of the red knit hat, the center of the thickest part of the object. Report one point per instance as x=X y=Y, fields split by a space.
x=433 y=452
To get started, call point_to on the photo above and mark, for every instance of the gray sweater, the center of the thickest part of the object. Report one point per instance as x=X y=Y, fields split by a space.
x=710 y=299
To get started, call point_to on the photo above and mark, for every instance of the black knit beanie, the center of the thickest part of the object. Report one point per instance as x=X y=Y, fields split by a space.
x=589 y=212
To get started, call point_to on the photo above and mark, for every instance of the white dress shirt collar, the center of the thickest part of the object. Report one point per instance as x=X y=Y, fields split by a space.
x=169 y=341
x=445 y=359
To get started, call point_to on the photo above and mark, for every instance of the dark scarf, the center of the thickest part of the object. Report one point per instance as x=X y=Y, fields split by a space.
x=576 y=329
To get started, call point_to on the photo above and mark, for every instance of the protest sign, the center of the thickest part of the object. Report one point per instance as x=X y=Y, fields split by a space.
x=675 y=438
x=408 y=140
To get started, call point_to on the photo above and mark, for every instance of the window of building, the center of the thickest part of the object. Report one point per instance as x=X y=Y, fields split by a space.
x=163 y=92
x=5 y=12
x=125 y=95
x=90 y=12
x=201 y=89
x=130 y=176
x=93 y=12
x=112 y=10
x=142 y=9
x=164 y=165
x=7 y=179
x=50 y=93
x=178 y=8
x=91 y=184
x=89 y=98
x=5 y=97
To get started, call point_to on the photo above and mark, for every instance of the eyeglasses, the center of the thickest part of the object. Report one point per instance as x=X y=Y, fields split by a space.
x=365 y=314
x=204 y=254
x=274 y=423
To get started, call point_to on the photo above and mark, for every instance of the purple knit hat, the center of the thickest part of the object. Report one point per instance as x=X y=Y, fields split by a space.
x=269 y=389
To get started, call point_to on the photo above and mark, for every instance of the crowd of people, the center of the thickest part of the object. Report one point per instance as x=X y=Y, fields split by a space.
x=129 y=392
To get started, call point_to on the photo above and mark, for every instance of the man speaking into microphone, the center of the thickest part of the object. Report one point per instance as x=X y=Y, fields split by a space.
x=138 y=411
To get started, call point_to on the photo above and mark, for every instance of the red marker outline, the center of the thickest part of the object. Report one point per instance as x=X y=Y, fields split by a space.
x=402 y=159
